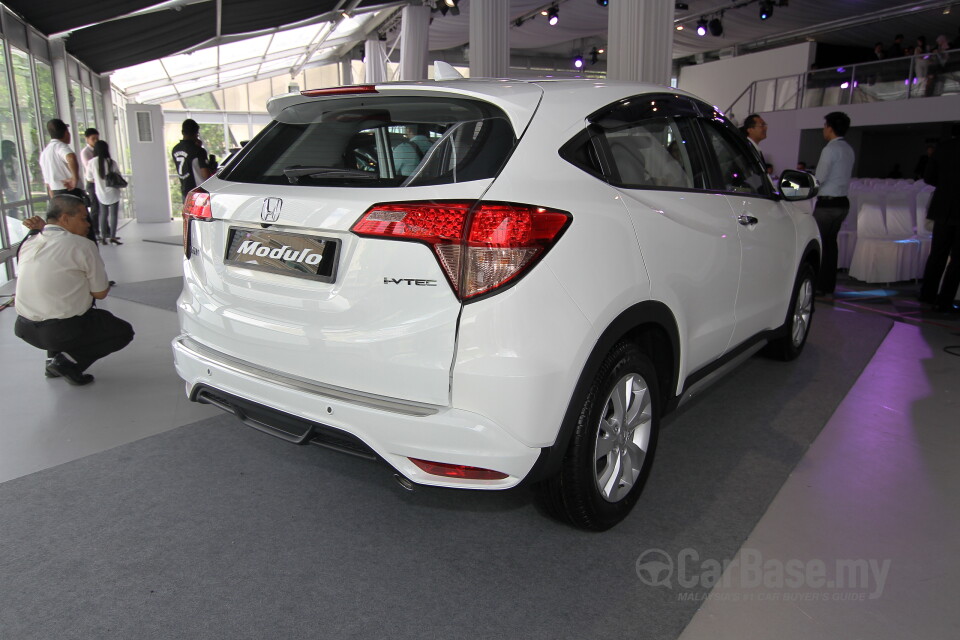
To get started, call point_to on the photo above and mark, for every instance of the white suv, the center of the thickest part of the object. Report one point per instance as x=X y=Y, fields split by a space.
x=486 y=282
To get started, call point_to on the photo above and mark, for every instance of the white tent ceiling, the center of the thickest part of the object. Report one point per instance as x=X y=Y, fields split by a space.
x=582 y=25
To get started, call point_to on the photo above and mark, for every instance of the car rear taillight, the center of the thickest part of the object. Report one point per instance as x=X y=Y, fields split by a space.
x=458 y=470
x=481 y=246
x=195 y=207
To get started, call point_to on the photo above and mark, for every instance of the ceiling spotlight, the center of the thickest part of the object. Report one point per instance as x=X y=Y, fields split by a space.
x=603 y=3
x=679 y=27
x=553 y=15
x=715 y=27
x=578 y=62
x=766 y=9
x=451 y=3
x=701 y=27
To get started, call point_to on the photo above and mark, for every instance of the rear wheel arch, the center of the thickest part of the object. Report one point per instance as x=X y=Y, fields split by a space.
x=653 y=328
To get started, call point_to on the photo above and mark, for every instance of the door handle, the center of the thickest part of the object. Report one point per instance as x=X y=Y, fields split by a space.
x=746 y=220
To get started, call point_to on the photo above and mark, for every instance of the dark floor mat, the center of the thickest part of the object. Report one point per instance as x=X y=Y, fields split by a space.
x=161 y=293
x=214 y=530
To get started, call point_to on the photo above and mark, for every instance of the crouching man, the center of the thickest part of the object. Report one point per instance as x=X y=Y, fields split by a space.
x=60 y=275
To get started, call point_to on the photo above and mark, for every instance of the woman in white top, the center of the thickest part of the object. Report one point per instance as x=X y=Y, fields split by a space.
x=98 y=167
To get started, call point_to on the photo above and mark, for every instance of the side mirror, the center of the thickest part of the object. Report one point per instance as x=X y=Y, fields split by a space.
x=798 y=185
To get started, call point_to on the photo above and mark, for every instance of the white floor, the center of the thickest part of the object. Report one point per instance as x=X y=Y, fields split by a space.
x=872 y=505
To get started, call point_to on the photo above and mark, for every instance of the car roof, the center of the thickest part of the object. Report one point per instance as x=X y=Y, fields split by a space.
x=518 y=98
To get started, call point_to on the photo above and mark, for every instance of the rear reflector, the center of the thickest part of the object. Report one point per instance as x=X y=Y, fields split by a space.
x=480 y=246
x=340 y=91
x=457 y=470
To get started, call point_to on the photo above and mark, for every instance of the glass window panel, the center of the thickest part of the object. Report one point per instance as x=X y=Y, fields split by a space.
x=259 y=94
x=45 y=87
x=29 y=122
x=213 y=139
x=12 y=159
x=88 y=109
x=76 y=102
x=235 y=98
x=239 y=133
x=98 y=112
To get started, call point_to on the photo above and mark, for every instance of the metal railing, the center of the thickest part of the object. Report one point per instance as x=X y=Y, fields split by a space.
x=919 y=76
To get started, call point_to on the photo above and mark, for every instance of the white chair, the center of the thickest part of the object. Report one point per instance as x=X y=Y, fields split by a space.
x=887 y=250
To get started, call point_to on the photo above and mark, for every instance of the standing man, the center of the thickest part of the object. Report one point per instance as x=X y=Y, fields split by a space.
x=59 y=166
x=91 y=135
x=60 y=275
x=190 y=158
x=58 y=162
x=833 y=171
x=942 y=171
x=756 y=131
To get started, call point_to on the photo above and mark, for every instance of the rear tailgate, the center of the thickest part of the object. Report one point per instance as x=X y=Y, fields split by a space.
x=383 y=321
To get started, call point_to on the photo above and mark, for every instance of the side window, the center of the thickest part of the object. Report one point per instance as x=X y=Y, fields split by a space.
x=738 y=171
x=651 y=154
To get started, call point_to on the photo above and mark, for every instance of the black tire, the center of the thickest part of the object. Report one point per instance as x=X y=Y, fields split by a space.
x=796 y=327
x=577 y=495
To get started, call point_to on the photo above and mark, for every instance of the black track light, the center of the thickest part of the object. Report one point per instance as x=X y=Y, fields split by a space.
x=701 y=27
x=766 y=9
x=553 y=15
x=603 y=3
x=716 y=27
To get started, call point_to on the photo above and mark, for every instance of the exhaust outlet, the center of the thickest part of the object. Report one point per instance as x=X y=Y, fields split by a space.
x=403 y=482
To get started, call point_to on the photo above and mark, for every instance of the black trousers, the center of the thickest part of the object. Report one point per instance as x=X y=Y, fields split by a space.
x=945 y=244
x=85 y=338
x=94 y=207
x=829 y=215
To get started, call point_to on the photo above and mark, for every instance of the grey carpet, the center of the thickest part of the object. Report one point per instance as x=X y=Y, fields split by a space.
x=177 y=240
x=161 y=293
x=214 y=530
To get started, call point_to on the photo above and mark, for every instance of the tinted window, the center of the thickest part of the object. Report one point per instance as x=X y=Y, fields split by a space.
x=737 y=167
x=379 y=142
x=652 y=153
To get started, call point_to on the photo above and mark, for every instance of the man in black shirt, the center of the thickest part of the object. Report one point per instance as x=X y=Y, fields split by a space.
x=190 y=158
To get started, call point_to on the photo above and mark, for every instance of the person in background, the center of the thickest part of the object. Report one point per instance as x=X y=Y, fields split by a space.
x=921 y=167
x=60 y=167
x=98 y=167
x=834 y=170
x=212 y=163
x=755 y=129
x=91 y=135
x=878 y=52
x=61 y=274
x=190 y=158
x=944 y=210
x=774 y=178
x=896 y=49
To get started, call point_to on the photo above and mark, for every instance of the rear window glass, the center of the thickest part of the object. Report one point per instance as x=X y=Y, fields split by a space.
x=379 y=142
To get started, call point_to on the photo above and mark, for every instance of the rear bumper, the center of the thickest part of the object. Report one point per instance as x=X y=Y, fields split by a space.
x=394 y=430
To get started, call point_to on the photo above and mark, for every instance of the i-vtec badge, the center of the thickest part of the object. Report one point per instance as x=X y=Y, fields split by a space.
x=270 y=210
x=285 y=253
x=417 y=282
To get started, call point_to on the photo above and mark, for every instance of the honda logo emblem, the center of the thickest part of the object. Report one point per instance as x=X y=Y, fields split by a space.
x=271 y=209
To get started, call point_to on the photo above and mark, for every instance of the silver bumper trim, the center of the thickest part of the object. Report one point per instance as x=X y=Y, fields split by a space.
x=221 y=360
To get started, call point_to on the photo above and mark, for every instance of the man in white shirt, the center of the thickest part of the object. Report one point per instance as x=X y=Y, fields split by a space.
x=60 y=275
x=91 y=135
x=834 y=170
x=60 y=167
